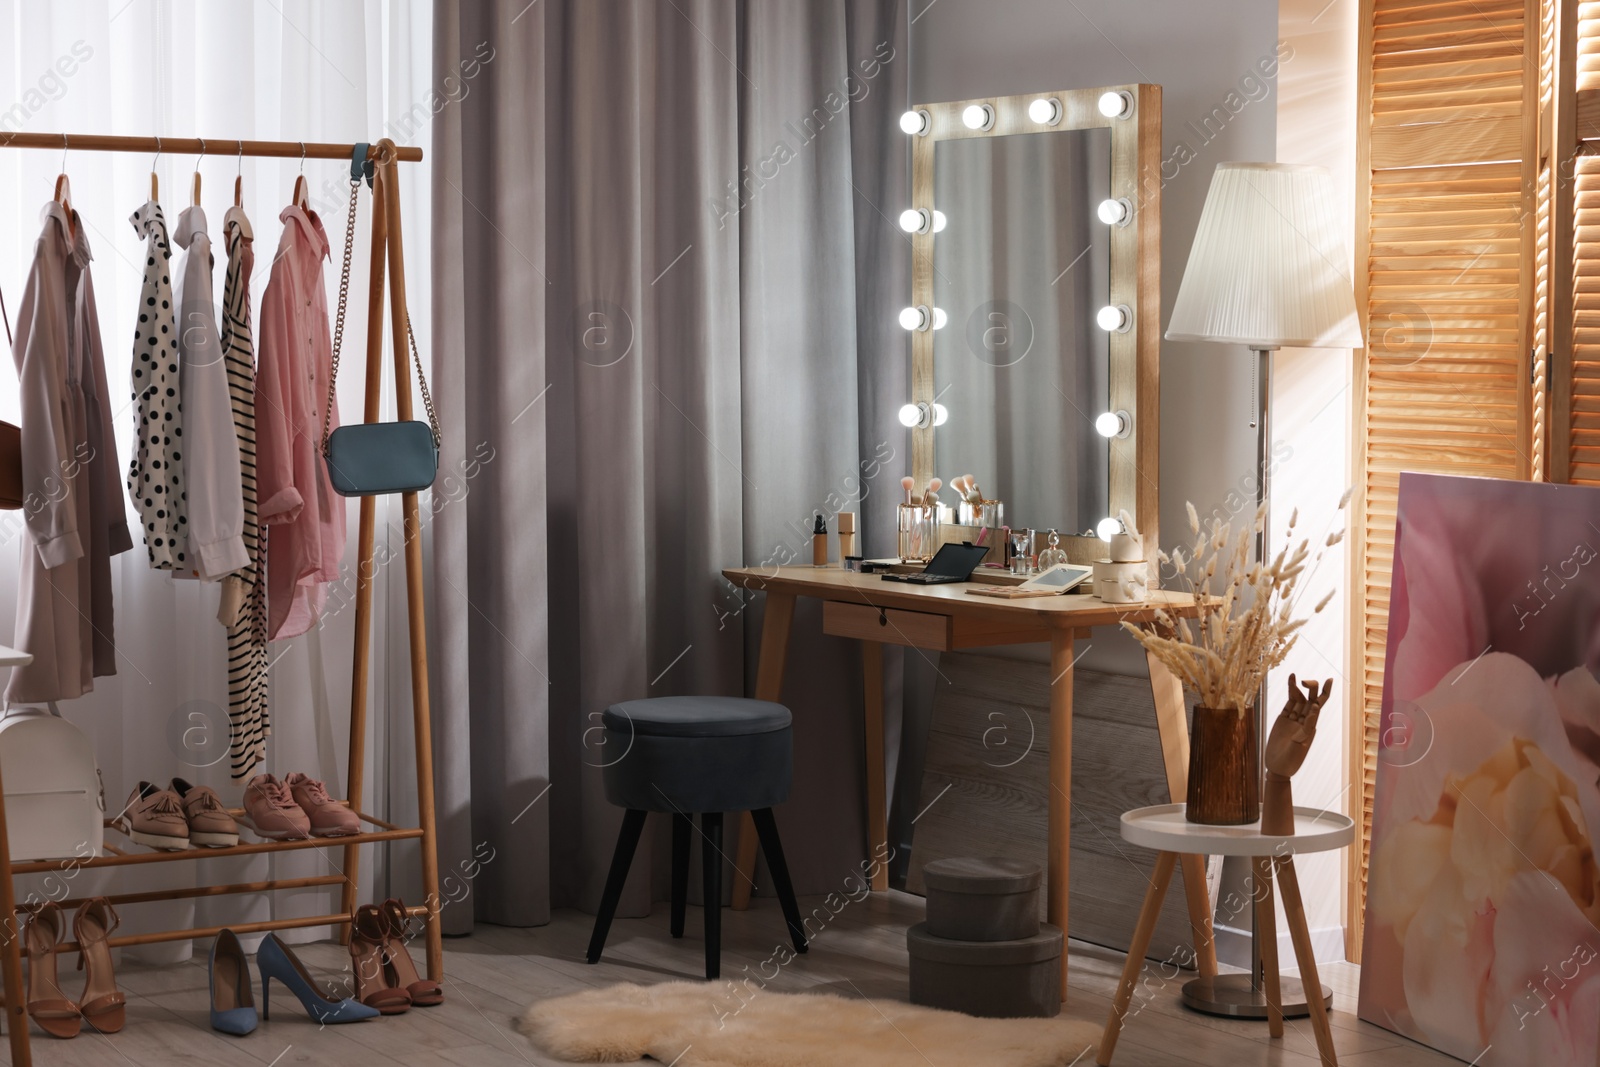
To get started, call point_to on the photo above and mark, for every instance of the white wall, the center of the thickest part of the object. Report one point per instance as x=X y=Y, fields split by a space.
x=1311 y=411
x=1208 y=56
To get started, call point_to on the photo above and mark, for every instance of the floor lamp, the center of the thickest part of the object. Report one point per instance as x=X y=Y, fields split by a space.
x=1269 y=269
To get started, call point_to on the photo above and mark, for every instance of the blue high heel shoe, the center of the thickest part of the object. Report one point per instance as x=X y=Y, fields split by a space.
x=274 y=960
x=232 y=1010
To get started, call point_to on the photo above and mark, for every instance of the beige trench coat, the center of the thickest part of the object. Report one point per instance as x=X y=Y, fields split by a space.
x=73 y=513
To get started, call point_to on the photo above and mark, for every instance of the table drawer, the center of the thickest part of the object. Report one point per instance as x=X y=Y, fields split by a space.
x=891 y=626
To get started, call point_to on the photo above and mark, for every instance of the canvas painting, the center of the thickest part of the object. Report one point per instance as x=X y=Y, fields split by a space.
x=1483 y=901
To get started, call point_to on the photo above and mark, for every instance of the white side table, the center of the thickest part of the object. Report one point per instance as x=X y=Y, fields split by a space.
x=1164 y=828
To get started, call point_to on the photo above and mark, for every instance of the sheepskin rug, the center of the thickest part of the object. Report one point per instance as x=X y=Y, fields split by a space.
x=695 y=1024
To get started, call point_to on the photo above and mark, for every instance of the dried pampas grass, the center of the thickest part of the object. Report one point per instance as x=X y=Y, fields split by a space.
x=1243 y=624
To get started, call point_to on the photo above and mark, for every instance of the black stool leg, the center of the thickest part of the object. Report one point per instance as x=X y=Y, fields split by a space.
x=680 y=869
x=627 y=841
x=767 y=830
x=711 y=879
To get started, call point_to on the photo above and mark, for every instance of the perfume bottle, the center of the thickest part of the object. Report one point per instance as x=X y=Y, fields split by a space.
x=1053 y=552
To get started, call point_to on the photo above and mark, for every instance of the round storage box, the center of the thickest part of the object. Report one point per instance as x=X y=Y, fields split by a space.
x=982 y=899
x=995 y=979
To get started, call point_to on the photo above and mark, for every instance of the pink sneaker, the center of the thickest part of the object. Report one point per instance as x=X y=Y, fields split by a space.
x=329 y=817
x=270 y=810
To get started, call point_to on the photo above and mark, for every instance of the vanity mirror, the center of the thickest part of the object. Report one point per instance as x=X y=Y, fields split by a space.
x=1034 y=318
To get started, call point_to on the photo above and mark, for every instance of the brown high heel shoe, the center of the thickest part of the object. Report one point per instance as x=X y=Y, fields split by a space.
x=373 y=985
x=49 y=1007
x=103 y=1005
x=425 y=992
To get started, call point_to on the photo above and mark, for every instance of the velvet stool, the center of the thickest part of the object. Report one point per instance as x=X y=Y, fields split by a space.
x=703 y=756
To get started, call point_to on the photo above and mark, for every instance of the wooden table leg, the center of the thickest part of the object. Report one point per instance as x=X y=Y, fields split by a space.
x=769 y=686
x=1172 y=724
x=1060 y=821
x=877 y=797
x=1295 y=912
x=11 y=954
x=1134 y=967
x=1267 y=928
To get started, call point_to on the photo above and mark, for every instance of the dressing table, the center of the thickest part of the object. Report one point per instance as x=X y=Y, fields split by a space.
x=945 y=618
x=1033 y=328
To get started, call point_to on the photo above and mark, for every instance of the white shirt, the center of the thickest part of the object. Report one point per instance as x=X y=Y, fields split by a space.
x=210 y=442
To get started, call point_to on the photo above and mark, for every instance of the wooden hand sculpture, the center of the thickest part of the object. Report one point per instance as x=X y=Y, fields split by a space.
x=1287 y=746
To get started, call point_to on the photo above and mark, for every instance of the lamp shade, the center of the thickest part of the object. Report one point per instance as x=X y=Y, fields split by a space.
x=1269 y=267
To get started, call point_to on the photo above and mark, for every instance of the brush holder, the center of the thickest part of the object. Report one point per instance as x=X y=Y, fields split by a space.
x=983 y=513
x=919 y=532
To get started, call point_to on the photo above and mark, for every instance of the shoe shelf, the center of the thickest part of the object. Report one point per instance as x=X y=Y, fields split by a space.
x=117 y=857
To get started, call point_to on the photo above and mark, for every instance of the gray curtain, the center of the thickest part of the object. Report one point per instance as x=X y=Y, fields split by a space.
x=664 y=290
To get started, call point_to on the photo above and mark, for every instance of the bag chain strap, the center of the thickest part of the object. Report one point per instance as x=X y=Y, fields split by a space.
x=338 y=336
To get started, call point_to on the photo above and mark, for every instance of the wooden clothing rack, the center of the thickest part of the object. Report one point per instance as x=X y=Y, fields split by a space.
x=387 y=251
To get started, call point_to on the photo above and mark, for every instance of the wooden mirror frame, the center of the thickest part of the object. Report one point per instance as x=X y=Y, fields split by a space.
x=1134 y=373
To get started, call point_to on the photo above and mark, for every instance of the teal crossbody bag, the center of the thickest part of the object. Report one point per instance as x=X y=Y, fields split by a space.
x=376 y=458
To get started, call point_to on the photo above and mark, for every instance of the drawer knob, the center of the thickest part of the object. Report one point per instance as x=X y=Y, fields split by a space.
x=883 y=617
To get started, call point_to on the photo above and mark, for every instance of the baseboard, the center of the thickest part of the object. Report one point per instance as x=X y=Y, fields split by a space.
x=1233 y=945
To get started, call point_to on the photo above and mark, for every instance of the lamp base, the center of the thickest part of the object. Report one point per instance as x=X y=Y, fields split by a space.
x=1237 y=996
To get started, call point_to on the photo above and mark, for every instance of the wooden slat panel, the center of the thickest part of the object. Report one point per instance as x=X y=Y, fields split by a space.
x=1460 y=141
x=1446 y=247
x=1583 y=410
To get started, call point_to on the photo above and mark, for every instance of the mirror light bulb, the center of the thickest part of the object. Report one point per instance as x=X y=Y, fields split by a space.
x=915 y=122
x=1114 y=318
x=941 y=414
x=1111 y=424
x=1116 y=105
x=1045 y=111
x=1112 y=212
x=938 y=220
x=939 y=318
x=910 y=415
x=914 y=318
x=977 y=116
x=914 y=220
x=1108 y=528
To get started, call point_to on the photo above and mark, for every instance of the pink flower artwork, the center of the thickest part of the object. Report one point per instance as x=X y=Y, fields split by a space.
x=1482 y=934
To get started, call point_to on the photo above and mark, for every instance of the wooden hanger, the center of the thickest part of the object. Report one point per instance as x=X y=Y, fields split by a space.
x=238 y=180
x=301 y=198
x=63 y=195
x=196 y=194
x=155 y=182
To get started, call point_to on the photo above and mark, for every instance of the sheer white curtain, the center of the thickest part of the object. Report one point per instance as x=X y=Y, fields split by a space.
x=275 y=69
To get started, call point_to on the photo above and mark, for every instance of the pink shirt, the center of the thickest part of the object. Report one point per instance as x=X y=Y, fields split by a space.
x=301 y=516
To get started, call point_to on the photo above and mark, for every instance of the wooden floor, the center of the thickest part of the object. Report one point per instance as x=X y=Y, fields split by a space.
x=498 y=971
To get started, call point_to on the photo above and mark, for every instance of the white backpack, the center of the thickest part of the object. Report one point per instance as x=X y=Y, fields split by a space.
x=55 y=799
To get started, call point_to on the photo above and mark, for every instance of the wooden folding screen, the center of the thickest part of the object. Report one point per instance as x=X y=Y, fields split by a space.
x=1575 y=364
x=1446 y=229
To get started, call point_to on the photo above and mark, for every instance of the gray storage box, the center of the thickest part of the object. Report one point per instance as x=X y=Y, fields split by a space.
x=982 y=899
x=996 y=979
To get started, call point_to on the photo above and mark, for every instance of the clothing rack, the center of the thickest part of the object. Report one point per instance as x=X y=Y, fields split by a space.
x=387 y=252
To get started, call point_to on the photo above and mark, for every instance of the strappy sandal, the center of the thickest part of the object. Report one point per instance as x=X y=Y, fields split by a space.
x=103 y=1006
x=373 y=985
x=47 y=1005
x=425 y=992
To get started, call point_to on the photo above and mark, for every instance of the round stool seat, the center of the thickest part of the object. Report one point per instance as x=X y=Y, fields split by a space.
x=694 y=754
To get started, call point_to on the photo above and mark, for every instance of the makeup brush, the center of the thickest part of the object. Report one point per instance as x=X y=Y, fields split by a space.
x=973 y=494
x=931 y=497
x=908 y=483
